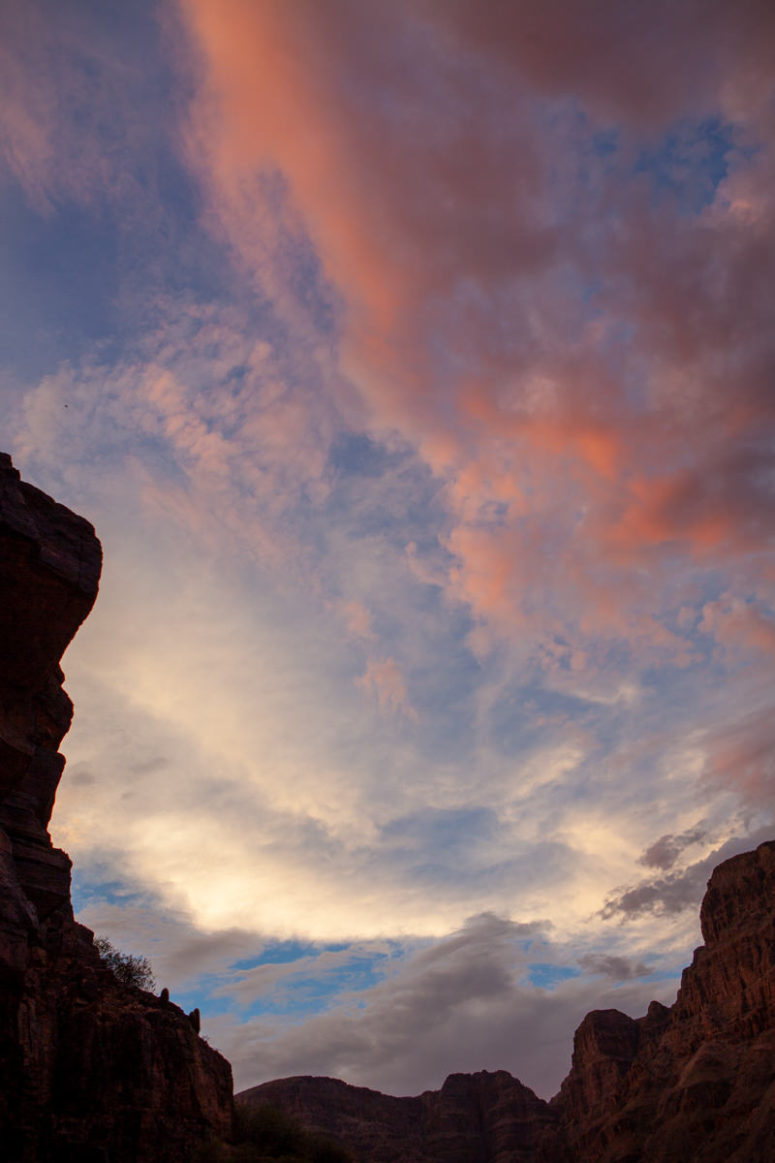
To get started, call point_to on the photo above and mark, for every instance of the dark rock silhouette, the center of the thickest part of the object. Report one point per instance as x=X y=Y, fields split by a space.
x=695 y=1081
x=90 y=1070
x=474 y=1118
x=692 y=1083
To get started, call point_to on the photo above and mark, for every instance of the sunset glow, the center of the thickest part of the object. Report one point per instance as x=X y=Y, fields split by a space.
x=414 y=361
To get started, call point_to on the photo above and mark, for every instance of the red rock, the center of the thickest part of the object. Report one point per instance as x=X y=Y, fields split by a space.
x=89 y=1069
x=474 y=1118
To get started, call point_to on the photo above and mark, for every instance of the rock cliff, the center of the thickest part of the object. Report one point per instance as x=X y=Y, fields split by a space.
x=692 y=1083
x=695 y=1081
x=474 y=1118
x=90 y=1070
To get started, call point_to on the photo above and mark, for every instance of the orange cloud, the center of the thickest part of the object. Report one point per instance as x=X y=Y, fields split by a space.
x=269 y=104
x=579 y=445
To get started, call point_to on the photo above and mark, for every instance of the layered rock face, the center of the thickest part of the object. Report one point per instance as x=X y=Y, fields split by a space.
x=693 y=1083
x=89 y=1069
x=474 y=1118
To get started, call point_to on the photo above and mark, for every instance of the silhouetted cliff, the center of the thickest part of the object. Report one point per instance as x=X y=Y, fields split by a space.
x=693 y=1083
x=474 y=1118
x=90 y=1070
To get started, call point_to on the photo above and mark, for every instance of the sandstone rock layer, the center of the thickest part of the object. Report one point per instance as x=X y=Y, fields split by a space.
x=695 y=1082
x=90 y=1070
x=487 y=1117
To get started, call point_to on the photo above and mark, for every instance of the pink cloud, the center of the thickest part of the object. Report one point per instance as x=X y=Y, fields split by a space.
x=357 y=619
x=384 y=680
x=583 y=451
x=739 y=626
x=645 y=64
x=742 y=757
x=74 y=108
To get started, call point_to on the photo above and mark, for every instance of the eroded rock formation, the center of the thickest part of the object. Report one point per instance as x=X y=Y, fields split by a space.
x=695 y=1081
x=90 y=1070
x=487 y=1117
x=692 y=1083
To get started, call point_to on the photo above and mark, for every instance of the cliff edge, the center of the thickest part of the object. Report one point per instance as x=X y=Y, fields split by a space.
x=90 y=1070
x=695 y=1081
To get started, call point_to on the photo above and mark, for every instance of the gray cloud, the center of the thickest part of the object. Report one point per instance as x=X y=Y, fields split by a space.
x=679 y=890
x=149 y=766
x=80 y=777
x=664 y=852
x=178 y=952
x=617 y=968
x=459 y=1004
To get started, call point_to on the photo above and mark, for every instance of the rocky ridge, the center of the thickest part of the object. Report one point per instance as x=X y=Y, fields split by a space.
x=90 y=1070
x=690 y=1083
x=487 y=1117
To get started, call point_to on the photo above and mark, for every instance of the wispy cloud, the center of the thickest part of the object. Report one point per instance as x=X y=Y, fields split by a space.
x=414 y=364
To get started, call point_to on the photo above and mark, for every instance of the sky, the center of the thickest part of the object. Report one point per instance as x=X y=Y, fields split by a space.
x=414 y=362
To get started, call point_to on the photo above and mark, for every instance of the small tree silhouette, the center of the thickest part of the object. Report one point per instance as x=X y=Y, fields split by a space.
x=126 y=968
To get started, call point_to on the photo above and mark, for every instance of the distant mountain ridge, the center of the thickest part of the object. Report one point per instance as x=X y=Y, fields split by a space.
x=690 y=1083
x=474 y=1117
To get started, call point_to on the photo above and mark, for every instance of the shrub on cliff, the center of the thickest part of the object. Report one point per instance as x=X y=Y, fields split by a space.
x=266 y=1135
x=125 y=967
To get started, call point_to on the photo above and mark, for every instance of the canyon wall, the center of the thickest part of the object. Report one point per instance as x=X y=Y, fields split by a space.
x=487 y=1117
x=90 y=1070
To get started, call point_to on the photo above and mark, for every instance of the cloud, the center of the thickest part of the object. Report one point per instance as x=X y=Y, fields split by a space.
x=216 y=429
x=77 y=101
x=679 y=890
x=430 y=442
x=610 y=57
x=459 y=1004
x=231 y=642
x=384 y=680
x=462 y=329
x=178 y=952
x=738 y=625
x=664 y=852
x=398 y=1016
x=358 y=620
x=617 y=968
x=741 y=757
